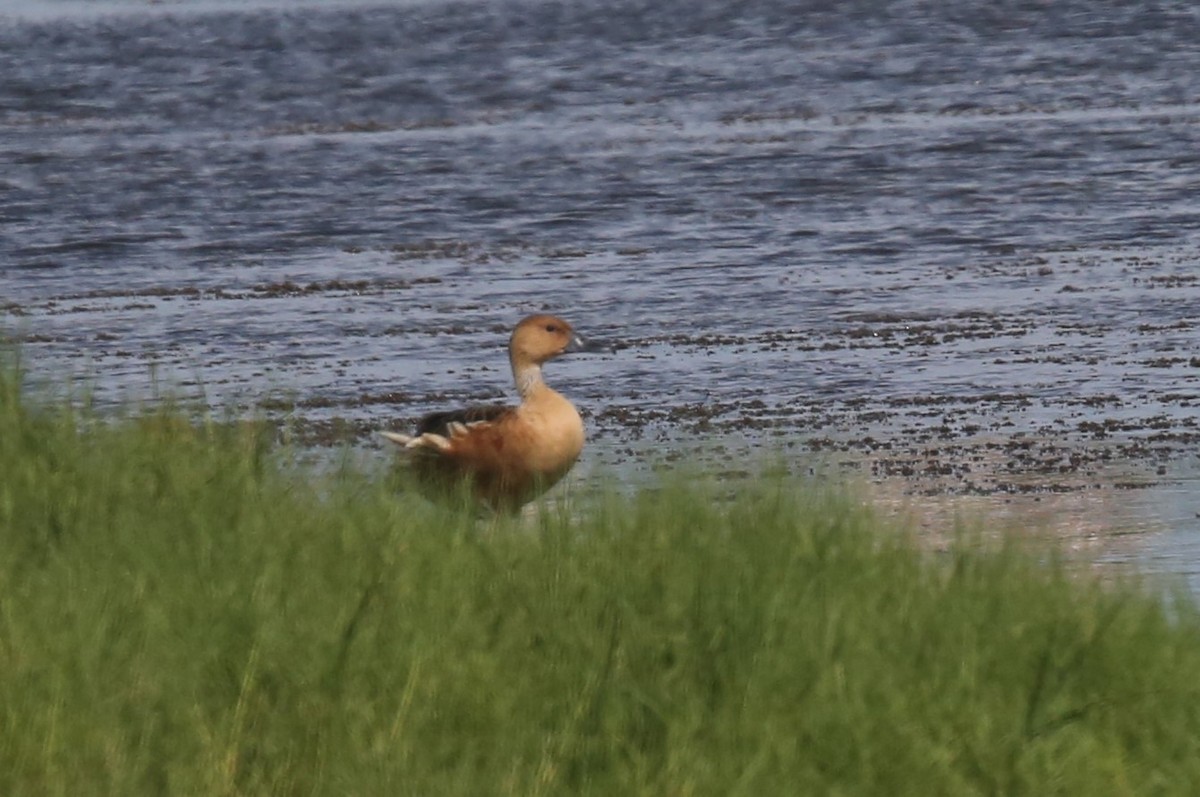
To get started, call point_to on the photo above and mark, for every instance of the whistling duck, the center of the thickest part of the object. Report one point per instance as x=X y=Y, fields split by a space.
x=507 y=456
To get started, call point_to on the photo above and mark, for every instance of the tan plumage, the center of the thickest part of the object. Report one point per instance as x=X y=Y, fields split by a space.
x=506 y=456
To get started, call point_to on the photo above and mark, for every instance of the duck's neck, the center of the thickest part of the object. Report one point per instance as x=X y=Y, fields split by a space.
x=528 y=377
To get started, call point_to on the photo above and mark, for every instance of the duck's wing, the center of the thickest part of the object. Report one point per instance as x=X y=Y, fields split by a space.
x=440 y=422
x=435 y=430
x=506 y=459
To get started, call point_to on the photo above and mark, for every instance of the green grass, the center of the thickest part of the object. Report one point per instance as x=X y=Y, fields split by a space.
x=179 y=614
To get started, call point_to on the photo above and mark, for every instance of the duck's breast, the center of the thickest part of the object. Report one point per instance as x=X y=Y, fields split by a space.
x=552 y=435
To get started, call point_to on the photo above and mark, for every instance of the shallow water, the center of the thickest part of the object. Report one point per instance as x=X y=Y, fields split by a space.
x=952 y=251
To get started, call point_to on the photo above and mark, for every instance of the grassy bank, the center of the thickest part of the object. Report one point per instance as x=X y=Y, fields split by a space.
x=180 y=615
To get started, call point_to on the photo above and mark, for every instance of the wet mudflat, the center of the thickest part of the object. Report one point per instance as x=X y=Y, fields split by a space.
x=953 y=253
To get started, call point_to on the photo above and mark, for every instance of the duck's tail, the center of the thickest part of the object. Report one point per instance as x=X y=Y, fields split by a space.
x=427 y=440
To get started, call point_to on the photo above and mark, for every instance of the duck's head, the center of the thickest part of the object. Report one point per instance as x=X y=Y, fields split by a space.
x=539 y=338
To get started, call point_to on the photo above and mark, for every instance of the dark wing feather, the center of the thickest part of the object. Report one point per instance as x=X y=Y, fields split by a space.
x=439 y=422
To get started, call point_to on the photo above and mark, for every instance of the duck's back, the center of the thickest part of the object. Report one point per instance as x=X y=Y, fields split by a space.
x=507 y=456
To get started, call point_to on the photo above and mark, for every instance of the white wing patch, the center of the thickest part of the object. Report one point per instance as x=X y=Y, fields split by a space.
x=427 y=440
x=397 y=438
x=458 y=428
x=436 y=442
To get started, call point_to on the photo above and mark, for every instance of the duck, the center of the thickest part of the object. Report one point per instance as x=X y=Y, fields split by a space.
x=504 y=456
